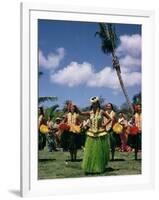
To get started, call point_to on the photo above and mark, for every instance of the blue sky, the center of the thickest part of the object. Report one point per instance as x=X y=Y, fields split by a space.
x=75 y=68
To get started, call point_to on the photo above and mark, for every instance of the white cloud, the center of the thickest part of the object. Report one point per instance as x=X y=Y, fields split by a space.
x=52 y=60
x=132 y=78
x=74 y=74
x=116 y=92
x=130 y=45
x=129 y=53
x=104 y=78
x=108 y=78
x=130 y=64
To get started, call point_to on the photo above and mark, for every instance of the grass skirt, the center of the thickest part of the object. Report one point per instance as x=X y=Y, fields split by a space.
x=70 y=141
x=96 y=154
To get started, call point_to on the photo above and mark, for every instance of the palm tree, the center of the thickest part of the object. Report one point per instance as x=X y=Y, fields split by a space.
x=45 y=98
x=109 y=42
x=51 y=111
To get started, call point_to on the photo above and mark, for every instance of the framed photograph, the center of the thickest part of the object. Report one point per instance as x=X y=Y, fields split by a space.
x=87 y=92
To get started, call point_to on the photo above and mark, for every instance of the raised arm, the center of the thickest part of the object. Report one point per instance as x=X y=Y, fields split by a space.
x=87 y=113
x=108 y=117
x=65 y=119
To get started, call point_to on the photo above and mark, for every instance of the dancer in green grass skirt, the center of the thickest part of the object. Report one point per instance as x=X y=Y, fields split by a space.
x=96 y=153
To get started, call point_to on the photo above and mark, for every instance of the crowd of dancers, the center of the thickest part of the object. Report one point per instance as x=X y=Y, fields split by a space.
x=99 y=132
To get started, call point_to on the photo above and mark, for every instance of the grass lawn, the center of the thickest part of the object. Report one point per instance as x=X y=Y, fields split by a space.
x=53 y=165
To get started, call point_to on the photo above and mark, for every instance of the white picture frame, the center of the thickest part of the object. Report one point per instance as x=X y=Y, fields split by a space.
x=30 y=185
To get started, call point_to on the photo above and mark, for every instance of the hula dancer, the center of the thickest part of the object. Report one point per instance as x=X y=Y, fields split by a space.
x=124 y=134
x=73 y=121
x=137 y=119
x=113 y=136
x=51 y=140
x=41 y=121
x=57 y=133
x=96 y=153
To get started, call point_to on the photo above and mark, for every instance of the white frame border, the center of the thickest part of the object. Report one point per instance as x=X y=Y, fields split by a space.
x=29 y=185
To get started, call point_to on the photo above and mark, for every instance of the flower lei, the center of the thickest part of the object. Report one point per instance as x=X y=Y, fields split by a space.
x=94 y=119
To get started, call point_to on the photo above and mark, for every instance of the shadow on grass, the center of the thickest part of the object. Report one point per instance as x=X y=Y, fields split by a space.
x=108 y=169
x=46 y=160
x=139 y=159
x=77 y=160
x=117 y=159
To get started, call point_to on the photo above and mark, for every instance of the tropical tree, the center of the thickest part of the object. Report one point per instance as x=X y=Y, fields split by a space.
x=46 y=98
x=51 y=111
x=42 y=99
x=124 y=108
x=137 y=98
x=109 y=39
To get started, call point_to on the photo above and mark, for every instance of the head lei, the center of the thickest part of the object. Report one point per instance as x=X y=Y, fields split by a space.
x=94 y=100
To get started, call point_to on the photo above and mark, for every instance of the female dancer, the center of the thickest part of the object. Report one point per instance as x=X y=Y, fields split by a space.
x=124 y=134
x=42 y=137
x=113 y=137
x=138 y=123
x=96 y=153
x=72 y=137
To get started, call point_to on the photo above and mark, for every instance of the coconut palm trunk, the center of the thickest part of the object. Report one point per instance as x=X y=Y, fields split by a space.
x=109 y=38
x=116 y=66
x=124 y=90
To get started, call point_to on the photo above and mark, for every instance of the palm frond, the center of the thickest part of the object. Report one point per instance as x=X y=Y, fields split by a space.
x=46 y=98
x=108 y=37
x=52 y=110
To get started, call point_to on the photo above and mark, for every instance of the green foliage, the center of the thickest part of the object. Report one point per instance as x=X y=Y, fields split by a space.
x=137 y=98
x=124 y=108
x=53 y=113
x=50 y=112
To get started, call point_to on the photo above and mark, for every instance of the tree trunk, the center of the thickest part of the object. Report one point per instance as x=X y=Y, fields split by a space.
x=117 y=68
x=124 y=90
